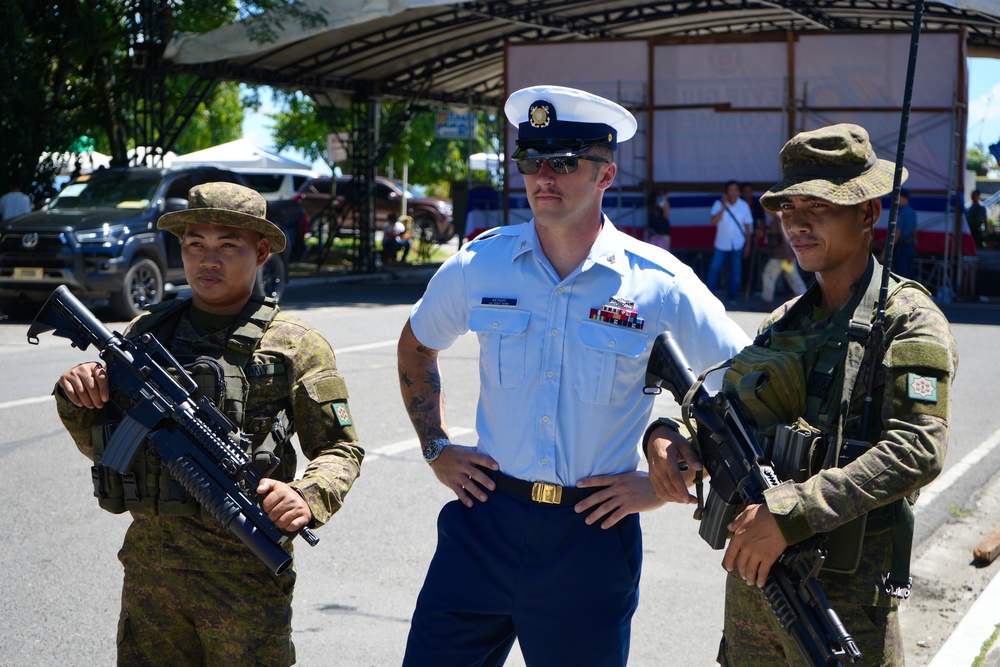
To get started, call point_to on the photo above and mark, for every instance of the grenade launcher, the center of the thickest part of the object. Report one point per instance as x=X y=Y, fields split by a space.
x=198 y=444
x=740 y=473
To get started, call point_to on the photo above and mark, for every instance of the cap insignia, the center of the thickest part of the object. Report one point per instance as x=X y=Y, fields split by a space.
x=538 y=114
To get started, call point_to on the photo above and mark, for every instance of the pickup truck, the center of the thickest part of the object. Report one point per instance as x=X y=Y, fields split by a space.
x=98 y=237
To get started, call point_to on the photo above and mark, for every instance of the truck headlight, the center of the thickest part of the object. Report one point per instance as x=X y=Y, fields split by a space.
x=107 y=235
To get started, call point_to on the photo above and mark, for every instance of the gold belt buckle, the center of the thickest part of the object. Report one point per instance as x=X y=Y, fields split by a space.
x=549 y=494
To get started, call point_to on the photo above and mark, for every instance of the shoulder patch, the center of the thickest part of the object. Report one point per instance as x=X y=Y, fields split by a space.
x=921 y=388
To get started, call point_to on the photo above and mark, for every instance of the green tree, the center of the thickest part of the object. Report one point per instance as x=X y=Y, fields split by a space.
x=302 y=124
x=979 y=160
x=69 y=69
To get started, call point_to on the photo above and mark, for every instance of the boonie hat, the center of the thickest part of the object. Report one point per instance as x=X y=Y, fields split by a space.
x=836 y=163
x=226 y=204
x=555 y=121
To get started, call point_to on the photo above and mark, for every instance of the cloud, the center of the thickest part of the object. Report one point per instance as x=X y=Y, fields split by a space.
x=984 y=117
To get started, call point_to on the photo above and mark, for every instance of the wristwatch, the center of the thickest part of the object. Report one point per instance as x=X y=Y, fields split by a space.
x=433 y=449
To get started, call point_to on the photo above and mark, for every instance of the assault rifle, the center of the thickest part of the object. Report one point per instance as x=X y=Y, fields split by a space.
x=198 y=444
x=740 y=472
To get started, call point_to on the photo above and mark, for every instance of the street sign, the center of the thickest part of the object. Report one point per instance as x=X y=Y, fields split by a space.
x=451 y=125
x=335 y=147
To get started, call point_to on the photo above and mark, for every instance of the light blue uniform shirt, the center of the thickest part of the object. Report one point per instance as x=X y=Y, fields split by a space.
x=560 y=393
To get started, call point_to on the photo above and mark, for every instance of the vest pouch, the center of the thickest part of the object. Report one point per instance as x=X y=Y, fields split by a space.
x=798 y=451
x=173 y=499
x=769 y=385
x=135 y=491
x=843 y=546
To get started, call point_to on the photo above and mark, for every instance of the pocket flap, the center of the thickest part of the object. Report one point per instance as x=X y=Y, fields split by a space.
x=611 y=338
x=498 y=320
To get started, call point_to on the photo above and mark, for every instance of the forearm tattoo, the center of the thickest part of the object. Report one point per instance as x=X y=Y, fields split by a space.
x=425 y=411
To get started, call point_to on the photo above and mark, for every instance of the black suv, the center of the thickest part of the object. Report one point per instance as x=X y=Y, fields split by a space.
x=98 y=236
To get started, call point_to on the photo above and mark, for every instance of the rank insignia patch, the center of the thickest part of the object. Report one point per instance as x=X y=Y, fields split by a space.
x=921 y=388
x=342 y=413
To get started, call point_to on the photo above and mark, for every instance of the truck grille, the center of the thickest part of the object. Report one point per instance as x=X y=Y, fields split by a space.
x=49 y=253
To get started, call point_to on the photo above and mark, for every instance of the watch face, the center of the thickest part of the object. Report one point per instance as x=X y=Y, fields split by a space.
x=431 y=449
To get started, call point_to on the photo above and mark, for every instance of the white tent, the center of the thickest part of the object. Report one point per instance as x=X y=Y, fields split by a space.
x=237 y=154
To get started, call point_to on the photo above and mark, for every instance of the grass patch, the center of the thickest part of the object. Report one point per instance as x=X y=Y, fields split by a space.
x=958 y=512
x=987 y=645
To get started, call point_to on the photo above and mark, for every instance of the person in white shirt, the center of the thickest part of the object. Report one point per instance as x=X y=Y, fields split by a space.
x=543 y=542
x=15 y=202
x=733 y=222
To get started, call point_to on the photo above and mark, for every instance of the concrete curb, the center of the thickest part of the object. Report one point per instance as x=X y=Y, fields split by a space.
x=975 y=628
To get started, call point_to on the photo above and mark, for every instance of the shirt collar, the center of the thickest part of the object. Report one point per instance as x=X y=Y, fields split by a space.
x=608 y=250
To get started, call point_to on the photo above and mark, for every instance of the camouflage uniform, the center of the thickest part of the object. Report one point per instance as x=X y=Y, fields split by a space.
x=907 y=452
x=193 y=593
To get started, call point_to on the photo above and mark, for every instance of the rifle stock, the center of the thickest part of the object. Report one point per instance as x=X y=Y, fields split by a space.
x=193 y=438
x=740 y=472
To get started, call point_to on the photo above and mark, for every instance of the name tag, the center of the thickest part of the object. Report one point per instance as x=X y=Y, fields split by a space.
x=498 y=301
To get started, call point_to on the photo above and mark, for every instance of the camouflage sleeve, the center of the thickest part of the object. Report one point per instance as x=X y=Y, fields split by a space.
x=914 y=401
x=78 y=421
x=324 y=425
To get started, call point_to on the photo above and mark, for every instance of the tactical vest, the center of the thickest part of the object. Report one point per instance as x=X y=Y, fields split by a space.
x=222 y=373
x=797 y=385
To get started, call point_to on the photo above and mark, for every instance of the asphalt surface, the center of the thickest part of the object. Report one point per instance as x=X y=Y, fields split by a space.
x=357 y=587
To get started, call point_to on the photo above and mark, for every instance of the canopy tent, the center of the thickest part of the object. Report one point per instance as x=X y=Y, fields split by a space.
x=240 y=154
x=453 y=52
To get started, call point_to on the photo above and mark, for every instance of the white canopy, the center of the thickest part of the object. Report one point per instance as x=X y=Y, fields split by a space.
x=240 y=153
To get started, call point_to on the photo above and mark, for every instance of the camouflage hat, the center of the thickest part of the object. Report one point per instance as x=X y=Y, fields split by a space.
x=835 y=163
x=225 y=204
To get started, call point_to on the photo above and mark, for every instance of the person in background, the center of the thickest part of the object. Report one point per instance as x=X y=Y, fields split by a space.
x=15 y=202
x=658 y=222
x=977 y=218
x=733 y=223
x=905 y=251
x=396 y=238
x=781 y=262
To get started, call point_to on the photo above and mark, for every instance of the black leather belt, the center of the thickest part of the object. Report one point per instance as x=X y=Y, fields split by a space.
x=539 y=492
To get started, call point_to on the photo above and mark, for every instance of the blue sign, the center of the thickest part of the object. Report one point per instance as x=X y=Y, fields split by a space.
x=451 y=125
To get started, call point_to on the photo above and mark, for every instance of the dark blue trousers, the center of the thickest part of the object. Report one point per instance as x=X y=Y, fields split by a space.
x=510 y=568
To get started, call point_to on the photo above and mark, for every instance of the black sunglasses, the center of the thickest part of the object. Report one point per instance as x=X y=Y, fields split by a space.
x=560 y=165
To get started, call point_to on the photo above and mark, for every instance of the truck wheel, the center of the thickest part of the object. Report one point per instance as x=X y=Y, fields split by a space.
x=271 y=277
x=141 y=287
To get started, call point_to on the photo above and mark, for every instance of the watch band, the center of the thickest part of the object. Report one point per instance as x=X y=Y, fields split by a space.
x=433 y=449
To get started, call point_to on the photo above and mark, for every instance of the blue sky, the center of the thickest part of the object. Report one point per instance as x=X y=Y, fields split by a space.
x=984 y=111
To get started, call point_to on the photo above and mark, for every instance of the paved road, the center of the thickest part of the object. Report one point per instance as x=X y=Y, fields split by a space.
x=357 y=587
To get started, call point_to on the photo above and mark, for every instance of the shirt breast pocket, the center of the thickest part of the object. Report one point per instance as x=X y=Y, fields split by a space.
x=610 y=361
x=502 y=340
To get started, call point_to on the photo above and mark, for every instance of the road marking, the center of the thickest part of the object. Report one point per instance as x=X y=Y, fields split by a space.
x=412 y=443
x=27 y=401
x=954 y=473
x=365 y=346
x=344 y=350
